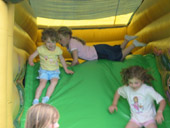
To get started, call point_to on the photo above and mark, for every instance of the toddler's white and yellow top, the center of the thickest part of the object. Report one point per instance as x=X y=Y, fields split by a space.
x=49 y=59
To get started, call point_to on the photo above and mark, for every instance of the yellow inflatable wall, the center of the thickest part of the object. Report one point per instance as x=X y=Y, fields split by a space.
x=20 y=36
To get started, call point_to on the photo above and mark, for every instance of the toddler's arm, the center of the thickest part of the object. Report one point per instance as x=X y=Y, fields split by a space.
x=114 y=104
x=31 y=58
x=159 y=115
x=75 y=58
x=65 y=65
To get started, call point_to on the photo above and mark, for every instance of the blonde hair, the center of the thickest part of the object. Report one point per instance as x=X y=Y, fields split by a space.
x=41 y=116
x=65 y=31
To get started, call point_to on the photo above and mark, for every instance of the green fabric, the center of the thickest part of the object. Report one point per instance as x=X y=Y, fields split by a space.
x=83 y=9
x=84 y=97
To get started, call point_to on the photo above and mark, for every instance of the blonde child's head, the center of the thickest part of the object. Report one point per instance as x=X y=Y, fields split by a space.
x=136 y=72
x=42 y=116
x=49 y=33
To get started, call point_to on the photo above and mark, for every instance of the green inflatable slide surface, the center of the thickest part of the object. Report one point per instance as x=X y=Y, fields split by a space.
x=84 y=97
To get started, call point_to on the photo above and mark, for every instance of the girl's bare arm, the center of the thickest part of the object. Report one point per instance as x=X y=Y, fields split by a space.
x=113 y=107
x=75 y=57
x=65 y=65
x=31 y=58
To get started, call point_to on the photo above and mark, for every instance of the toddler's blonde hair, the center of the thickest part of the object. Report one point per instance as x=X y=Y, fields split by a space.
x=41 y=116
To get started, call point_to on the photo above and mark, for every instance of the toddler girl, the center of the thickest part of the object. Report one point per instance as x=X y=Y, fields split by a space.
x=140 y=97
x=49 y=66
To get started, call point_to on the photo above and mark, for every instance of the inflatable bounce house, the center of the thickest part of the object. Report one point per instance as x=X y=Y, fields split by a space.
x=84 y=97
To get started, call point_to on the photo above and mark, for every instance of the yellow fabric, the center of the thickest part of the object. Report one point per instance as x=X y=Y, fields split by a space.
x=24 y=18
x=49 y=59
x=150 y=11
x=151 y=25
x=3 y=62
x=19 y=62
x=9 y=70
x=6 y=71
x=22 y=40
x=161 y=44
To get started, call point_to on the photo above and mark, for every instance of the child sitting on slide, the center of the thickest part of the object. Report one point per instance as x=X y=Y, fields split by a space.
x=49 y=66
x=140 y=97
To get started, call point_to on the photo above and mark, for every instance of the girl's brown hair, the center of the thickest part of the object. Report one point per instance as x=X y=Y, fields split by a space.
x=49 y=33
x=41 y=116
x=136 y=72
x=65 y=31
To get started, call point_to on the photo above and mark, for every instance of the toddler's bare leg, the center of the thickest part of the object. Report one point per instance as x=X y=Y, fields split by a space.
x=152 y=125
x=40 y=88
x=51 y=87
x=132 y=125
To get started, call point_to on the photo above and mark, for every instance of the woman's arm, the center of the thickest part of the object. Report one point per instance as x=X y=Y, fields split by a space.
x=31 y=58
x=75 y=57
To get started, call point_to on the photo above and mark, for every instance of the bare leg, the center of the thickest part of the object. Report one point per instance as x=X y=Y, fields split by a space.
x=51 y=87
x=40 y=88
x=152 y=125
x=123 y=45
x=127 y=50
x=132 y=125
x=127 y=38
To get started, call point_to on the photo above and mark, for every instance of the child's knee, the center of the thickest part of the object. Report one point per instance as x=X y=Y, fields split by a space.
x=42 y=83
x=42 y=86
x=54 y=81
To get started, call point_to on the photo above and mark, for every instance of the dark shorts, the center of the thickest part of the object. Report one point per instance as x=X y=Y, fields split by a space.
x=108 y=52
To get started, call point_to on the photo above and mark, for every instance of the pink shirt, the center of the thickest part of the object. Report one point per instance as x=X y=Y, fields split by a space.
x=84 y=52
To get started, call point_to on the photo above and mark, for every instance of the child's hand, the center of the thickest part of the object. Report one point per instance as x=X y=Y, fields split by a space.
x=31 y=62
x=112 y=108
x=69 y=71
x=159 y=117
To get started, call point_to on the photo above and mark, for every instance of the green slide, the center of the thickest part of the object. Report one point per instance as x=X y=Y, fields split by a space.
x=84 y=97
